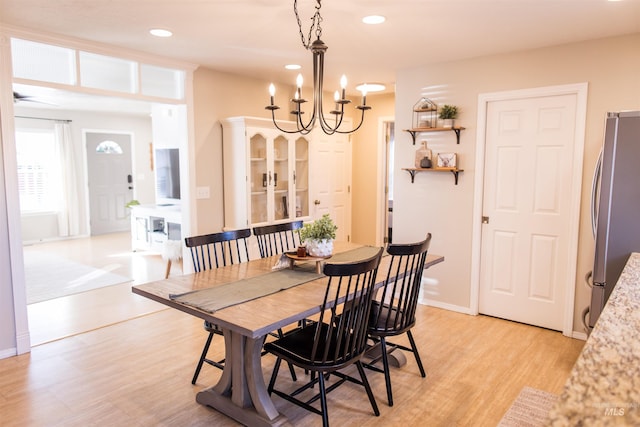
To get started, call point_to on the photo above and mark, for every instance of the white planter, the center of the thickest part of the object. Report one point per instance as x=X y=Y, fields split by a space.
x=320 y=248
x=447 y=123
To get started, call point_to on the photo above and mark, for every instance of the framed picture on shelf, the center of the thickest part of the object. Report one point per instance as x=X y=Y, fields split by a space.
x=447 y=160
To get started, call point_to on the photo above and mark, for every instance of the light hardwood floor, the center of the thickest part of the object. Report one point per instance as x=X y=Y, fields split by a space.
x=85 y=311
x=137 y=373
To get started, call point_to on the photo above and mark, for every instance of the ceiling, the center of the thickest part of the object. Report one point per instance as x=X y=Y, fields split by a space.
x=256 y=38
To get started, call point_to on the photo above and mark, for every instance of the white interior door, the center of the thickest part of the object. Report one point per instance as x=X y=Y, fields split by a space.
x=332 y=181
x=109 y=173
x=525 y=250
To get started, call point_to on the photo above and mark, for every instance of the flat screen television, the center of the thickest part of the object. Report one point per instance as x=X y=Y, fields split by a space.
x=167 y=164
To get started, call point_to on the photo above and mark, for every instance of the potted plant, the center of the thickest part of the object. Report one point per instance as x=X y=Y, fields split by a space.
x=448 y=113
x=131 y=204
x=319 y=236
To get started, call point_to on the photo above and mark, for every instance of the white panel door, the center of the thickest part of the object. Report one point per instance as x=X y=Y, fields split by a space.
x=109 y=174
x=526 y=209
x=332 y=181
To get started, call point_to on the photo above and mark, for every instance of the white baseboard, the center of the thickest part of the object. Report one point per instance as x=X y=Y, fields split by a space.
x=446 y=306
x=54 y=239
x=23 y=343
x=9 y=352
x=579 y=335
x=23 y=346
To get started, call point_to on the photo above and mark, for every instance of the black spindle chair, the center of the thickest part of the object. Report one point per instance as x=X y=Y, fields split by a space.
x=393 y=311
x=277 y=238
x=337 y=340
x=212 y=251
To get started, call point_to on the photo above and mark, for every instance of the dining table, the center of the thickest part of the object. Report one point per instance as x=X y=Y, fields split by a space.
x=248 y=301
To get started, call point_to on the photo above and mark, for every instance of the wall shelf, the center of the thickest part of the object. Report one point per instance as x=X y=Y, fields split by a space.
x=414 y=171
x=415 y=131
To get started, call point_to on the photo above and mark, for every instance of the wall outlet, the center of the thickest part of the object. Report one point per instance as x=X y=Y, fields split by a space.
x=202 y=192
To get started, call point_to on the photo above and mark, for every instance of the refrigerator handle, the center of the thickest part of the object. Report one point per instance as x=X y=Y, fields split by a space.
x=585 y=320
x=595 y=193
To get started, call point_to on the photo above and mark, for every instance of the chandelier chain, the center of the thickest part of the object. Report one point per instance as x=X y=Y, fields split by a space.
x=315 y=23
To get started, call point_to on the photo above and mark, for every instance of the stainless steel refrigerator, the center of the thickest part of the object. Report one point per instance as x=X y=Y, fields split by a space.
x=615 y=206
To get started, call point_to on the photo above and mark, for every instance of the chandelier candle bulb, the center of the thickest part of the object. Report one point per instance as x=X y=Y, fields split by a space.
x=343 y=85
x=272 y=92
x=299 y=84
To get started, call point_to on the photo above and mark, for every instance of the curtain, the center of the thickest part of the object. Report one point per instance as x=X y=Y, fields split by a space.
x=68 y=213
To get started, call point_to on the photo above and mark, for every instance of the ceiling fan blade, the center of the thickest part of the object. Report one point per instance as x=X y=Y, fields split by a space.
x=18 y=97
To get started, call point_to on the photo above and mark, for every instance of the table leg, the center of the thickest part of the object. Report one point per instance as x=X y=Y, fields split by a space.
x=396 y=358
x=241 y=392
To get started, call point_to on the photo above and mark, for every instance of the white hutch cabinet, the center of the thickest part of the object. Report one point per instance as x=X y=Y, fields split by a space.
x=266 y=173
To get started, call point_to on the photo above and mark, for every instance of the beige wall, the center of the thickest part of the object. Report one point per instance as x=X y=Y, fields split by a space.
x=217 y=96
x=433 y=203
x=367 y=165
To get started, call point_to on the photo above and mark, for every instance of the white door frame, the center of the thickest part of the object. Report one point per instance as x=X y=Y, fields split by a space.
x=381 y=203
x=7 y=143
x=578 y=89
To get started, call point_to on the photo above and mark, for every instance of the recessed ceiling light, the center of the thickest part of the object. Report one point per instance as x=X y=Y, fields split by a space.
x=292 y=67
x=159 y=32
x=371 y=87
x=373 y=19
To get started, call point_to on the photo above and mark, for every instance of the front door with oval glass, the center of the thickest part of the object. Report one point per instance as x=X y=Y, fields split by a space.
x=109 y=174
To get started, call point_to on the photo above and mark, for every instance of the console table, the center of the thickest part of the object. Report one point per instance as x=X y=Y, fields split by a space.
x=152 y=225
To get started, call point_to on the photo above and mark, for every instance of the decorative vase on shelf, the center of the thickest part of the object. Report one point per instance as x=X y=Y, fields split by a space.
x=423 y=156
x=425 y=163
x=447 y=123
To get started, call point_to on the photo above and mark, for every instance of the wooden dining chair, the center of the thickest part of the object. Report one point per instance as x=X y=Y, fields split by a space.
x=277 y=238
x=212 y=251
x=393 y=311
x=337 y=340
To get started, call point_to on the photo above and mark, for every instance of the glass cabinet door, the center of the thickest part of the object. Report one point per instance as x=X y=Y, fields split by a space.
x=301 y=177
x=281 y=178
x=258 y=174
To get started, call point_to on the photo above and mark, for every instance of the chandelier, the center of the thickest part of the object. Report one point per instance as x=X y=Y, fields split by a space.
x=318 y=48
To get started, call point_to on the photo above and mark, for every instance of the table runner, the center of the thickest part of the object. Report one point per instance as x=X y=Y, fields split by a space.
x=237 y=292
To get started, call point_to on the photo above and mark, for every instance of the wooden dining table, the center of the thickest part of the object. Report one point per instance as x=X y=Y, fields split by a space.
x=241 y=392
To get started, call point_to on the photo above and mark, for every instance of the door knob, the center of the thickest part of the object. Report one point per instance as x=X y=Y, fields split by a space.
x=316 y=202
x=485 y=220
